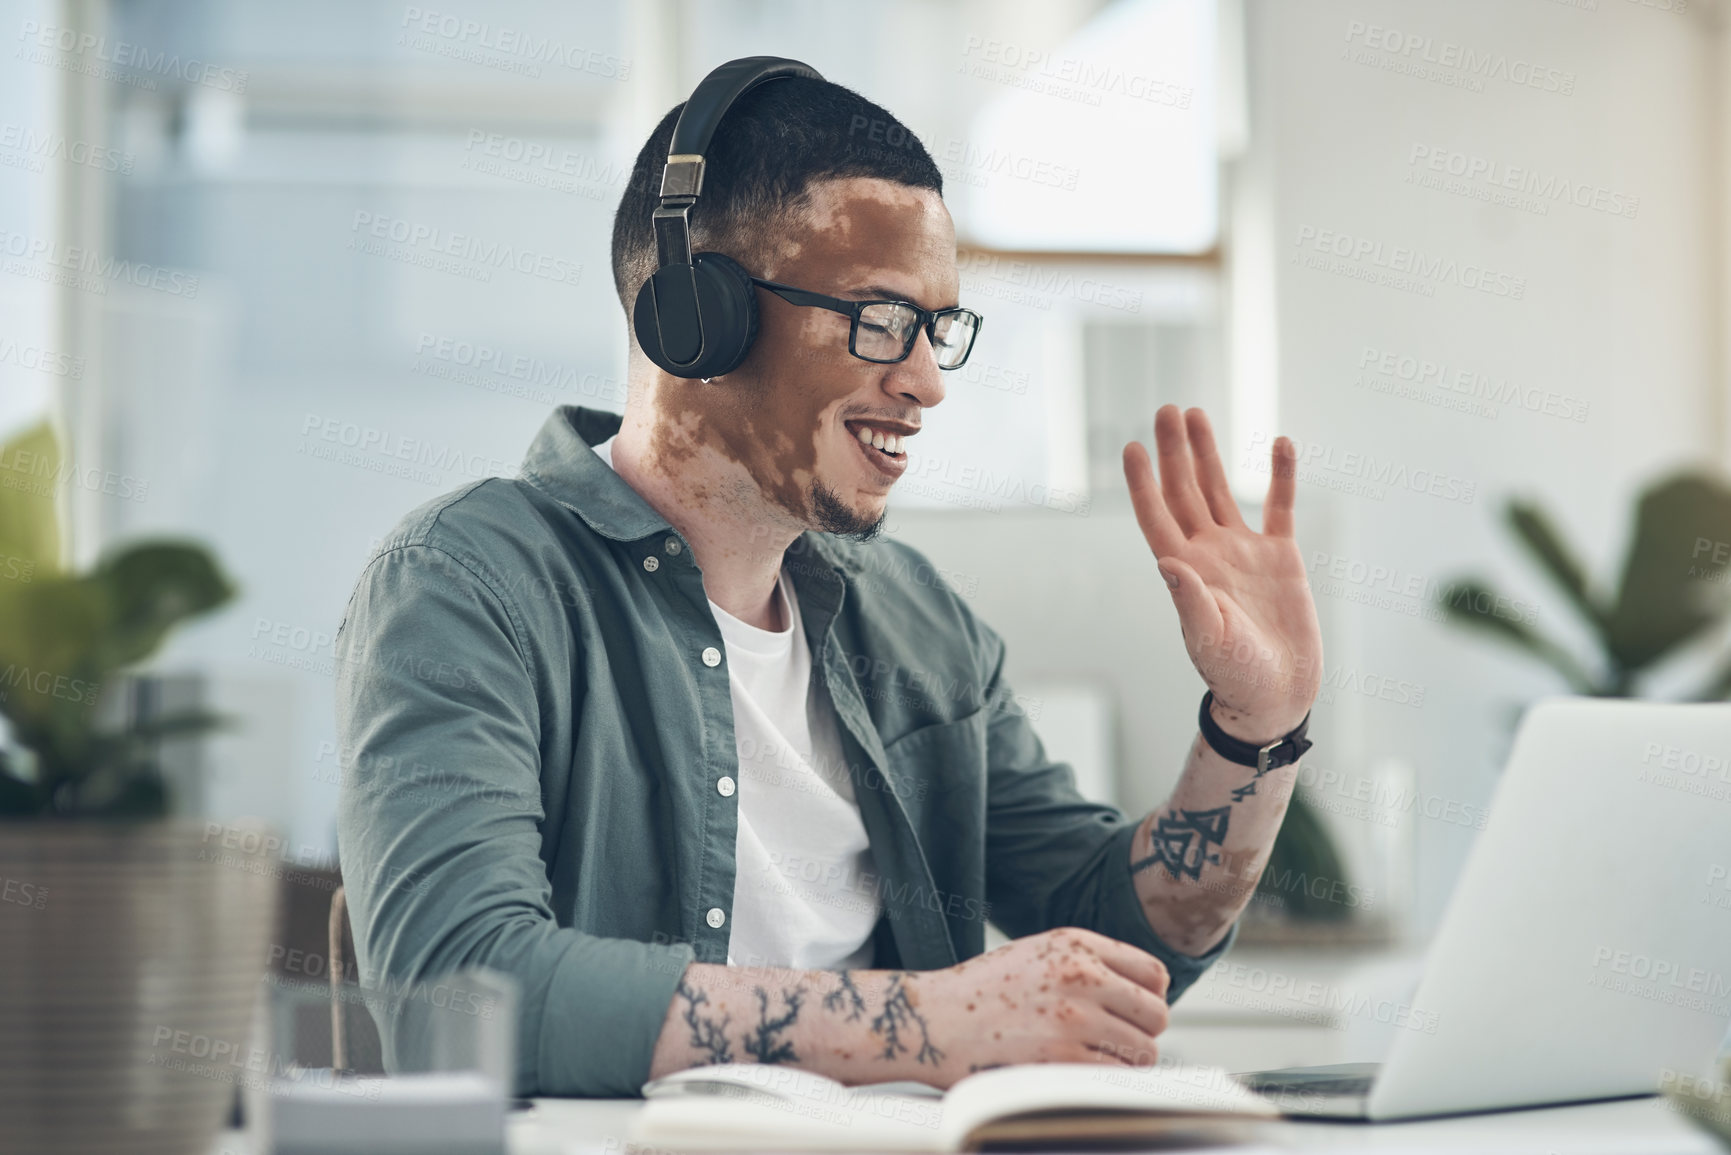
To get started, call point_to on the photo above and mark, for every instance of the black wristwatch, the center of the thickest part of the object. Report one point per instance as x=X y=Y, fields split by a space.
x=1282 y=752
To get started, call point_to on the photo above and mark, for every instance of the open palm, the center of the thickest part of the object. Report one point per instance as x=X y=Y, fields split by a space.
x=1243 y=601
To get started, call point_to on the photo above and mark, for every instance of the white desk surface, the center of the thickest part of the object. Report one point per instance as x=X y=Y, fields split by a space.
x=1624 y=1127
x=1221 y=1024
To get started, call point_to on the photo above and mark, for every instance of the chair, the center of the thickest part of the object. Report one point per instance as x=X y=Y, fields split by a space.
x=355 y=1043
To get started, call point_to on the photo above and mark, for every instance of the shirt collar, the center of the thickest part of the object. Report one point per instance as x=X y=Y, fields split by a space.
x=562 y=463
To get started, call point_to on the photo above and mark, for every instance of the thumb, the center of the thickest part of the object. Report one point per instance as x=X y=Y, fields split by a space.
x=1198 y=612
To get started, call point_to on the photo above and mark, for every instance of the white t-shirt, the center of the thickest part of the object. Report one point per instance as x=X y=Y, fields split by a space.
x=804 y=892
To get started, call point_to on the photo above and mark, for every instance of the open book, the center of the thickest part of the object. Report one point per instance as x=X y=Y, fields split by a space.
x=744 y=1106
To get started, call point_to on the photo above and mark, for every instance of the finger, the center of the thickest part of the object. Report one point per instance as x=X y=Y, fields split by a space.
x=1210 y=472
x=1282 y=489
x=1198 y=611
x=1133 y=963
x=1117 y=1041
x=1178 y=472
x=1162 y=532
x=1143 y=1057
x=1135 y=1004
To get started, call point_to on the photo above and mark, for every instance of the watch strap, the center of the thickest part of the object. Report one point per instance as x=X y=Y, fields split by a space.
x=1283 y=751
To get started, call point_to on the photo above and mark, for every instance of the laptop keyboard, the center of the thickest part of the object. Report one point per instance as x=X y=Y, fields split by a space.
x=1340 y=1079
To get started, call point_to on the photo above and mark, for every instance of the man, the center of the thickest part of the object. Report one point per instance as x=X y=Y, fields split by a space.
x=654 y=730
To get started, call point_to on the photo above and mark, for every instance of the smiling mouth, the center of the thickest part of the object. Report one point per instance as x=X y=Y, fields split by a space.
x=889 y=444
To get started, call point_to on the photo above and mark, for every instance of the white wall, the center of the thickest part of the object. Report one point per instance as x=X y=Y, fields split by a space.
x=1615 y=311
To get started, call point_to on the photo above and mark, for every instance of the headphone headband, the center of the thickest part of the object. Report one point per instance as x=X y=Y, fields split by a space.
x=697 y=317
x=682 y=176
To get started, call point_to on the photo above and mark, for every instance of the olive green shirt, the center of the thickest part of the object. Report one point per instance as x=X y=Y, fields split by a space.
x=534 y=715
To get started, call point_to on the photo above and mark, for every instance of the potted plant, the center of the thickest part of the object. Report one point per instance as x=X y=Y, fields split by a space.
x=1673 y=591
x=131 y=943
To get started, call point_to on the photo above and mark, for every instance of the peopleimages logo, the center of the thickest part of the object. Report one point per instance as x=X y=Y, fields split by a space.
x=1399 y=266
x=36 y=146
x=43 y=258
x=87 y=46
x=1667 y=981
x=41 y=360
x=1069 y=77
x=502 y=46
x=1384 y=586
x=1396 y=368
x=1496 y=177
x=488 y=367
x=1368 y=473
x=462 y=253
x=1411 y=48
x=386 y=451
x=1047 y=282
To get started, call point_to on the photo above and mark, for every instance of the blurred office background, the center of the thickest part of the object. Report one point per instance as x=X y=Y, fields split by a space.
x=288 y=271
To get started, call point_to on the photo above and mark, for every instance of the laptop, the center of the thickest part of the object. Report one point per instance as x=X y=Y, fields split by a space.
x=1586 y=950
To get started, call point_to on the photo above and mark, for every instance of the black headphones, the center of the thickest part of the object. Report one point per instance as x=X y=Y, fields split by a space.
x=697 y=316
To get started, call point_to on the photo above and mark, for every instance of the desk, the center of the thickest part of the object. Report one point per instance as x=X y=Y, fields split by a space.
x=1228 y=1020
x=1624 y=1127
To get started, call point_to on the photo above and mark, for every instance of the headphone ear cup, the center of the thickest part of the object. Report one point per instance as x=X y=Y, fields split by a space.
x=697 y=320
x=728 y=300
x=646 y=318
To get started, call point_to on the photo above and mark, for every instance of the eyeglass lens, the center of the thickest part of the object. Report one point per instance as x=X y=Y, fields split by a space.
x=885 y=329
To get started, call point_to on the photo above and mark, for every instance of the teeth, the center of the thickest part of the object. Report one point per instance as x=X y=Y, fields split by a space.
x=877 y=439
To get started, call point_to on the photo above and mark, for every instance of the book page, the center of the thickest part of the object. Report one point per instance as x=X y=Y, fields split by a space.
x=754 y=1107
x=1083 y=1087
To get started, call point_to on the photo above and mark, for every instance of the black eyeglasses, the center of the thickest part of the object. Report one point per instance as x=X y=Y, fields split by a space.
x=884 y=332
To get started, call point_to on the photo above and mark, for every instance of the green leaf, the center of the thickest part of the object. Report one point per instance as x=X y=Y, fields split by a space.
x=1534 y=530
x=64 y=638
x=1472 y=603
x=29 y=527
x=50 y=635
x=1672 y=587
x=152 y=587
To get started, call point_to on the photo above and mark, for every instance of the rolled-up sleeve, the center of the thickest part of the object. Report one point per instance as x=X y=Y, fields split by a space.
x=440 y=814
x=1054 y=858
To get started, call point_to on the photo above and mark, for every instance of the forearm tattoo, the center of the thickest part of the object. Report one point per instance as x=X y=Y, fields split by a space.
x=769 y=1039
x=1183 y=844
x=708 y=1034
x=845 y=997
x=762 y=1044
x=899 y=1013
x=1186 y=841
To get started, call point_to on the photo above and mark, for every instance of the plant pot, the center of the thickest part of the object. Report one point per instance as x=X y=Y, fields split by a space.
x=130 y=959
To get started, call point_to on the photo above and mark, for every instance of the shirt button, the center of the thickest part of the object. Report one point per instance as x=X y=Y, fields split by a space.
x=711 y=655
x=724 y=787
x=672 y=546
x=716 y=916
x=651 y=563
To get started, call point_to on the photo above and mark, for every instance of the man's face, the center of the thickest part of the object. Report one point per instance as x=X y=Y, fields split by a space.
x=793 y=412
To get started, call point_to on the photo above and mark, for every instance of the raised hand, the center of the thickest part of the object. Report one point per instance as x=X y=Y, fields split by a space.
x=1243 y=601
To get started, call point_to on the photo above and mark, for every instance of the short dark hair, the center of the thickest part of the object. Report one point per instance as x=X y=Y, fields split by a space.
x=774 y=142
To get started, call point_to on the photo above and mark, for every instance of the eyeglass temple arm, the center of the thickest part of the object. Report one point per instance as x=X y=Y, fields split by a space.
x=807 y=297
